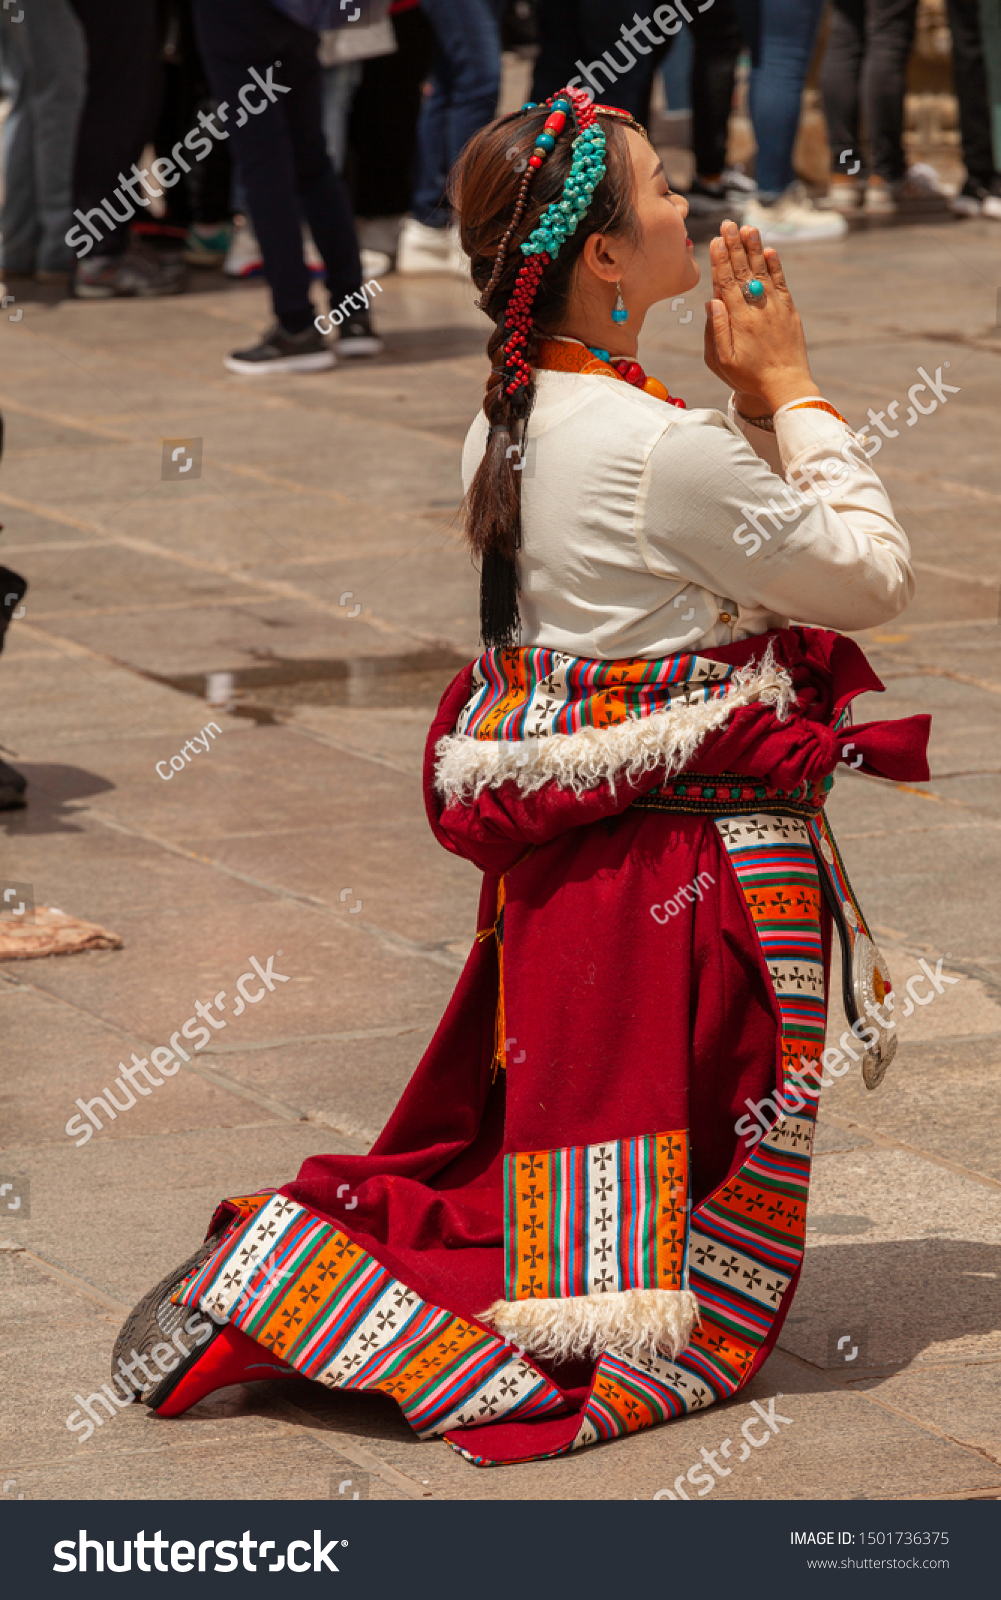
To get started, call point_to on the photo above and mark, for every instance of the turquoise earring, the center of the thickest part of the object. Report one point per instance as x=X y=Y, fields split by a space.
x=619 y=312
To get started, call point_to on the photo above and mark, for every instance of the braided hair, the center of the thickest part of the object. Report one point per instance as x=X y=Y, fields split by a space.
x=509 y=188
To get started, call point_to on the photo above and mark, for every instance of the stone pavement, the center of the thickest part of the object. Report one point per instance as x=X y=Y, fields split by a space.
x=316 y=559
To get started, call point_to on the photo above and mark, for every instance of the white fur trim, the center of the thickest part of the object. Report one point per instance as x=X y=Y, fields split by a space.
x=632 y=1322
x=578 y=761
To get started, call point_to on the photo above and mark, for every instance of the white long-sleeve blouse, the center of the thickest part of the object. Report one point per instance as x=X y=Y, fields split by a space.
x=648 y=530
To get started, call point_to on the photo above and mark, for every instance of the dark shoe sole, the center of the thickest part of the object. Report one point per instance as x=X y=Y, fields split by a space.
x=155 y=1320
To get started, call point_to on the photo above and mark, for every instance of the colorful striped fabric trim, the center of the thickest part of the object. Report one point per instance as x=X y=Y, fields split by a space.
x=747 y=1238
x=831 y=862
x=532 y=693
x=727 y=793
x=594 y=1219
x=305 y=1290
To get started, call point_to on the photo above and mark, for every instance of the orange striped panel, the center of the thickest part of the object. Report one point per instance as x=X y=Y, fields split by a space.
x=780 y=903
x=534 y=1211
x=635 y=1412
x=672 y=1203
x=765 y=1208
x=722 y=1346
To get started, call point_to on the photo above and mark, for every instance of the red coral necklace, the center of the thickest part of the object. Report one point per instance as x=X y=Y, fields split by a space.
x=567 y=355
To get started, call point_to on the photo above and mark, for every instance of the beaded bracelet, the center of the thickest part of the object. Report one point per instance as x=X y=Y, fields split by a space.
x=767 y=423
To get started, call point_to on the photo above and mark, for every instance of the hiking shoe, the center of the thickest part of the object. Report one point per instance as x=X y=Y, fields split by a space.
x=207 y=243
x=794 y=219
x=138 y=272
x=13 y=785
x=356 y=337
x=243 y=258
x=279 y=351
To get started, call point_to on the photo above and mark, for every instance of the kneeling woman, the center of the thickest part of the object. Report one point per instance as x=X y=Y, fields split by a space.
x=572 y=1226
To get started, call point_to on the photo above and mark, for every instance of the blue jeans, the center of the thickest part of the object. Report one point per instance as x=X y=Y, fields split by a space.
x=465 y=75
x=781 y=35
x=45 y=64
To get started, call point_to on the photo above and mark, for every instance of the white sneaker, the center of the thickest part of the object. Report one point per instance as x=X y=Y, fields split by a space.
x=375 y=264
x=794 y=219
x=424 y=250
x=243 y=258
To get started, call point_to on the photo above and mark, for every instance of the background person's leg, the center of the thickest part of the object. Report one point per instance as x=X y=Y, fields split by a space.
x=969 y=76
x=383 y=123
x=990 y=32
x=119 y=113
x=785 y=35
x=717 y=42
x=19 y=215
x=467 y=68
x=889 y=37
x=840 y=76
x=233 y=36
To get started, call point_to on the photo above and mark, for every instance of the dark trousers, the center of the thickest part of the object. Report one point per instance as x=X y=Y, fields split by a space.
x=280 y=153
x=382 y=131
x=119 y=113
x=865 y=67
x=203 y=194
x=572 y=31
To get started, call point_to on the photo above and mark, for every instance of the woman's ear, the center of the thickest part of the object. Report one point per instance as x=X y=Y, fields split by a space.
x=603 y=257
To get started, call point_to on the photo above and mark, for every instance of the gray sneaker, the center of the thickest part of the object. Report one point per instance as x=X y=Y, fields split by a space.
x=137 y=272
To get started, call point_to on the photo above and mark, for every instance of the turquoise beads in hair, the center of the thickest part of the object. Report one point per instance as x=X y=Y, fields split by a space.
x=561 y=219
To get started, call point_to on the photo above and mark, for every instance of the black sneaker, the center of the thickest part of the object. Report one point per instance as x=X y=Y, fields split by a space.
x=279 y=351
x=12 y=788
x=356 y=337
x=138 y=272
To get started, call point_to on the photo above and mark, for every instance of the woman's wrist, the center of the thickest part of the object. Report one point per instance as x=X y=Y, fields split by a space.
x=794 y=386
x=749 y=405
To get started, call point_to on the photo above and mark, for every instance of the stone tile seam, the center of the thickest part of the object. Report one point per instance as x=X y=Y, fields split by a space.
x=843 y=1386
x=886 y=1142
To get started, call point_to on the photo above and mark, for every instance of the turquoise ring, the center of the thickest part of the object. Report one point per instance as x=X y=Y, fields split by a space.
x=753 y=292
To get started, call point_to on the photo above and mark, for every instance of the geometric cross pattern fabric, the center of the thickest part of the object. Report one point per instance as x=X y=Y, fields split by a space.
x=593 y=1219
x=533 y=692
x=747 y=1238
x=305 y=1290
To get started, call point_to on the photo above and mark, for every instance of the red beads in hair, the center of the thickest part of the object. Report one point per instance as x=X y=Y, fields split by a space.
x=518 y=322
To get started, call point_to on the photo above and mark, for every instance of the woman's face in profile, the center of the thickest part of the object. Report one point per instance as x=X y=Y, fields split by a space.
x=664 y=262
